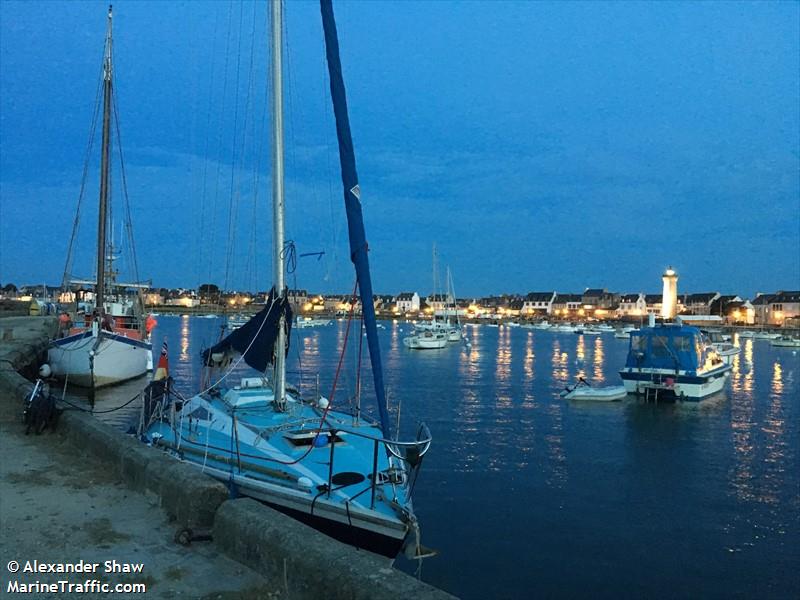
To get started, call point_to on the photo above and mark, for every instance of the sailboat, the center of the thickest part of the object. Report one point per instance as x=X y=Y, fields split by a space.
x=437 y=333
x=109 y=342
x=336 y=470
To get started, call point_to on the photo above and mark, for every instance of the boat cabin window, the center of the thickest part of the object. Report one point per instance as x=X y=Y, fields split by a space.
x=682 y=343
x=638 y=343
x=659 y=346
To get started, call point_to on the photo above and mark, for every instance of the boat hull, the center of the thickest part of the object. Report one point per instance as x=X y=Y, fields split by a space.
x=117 y=358
x=588 y=394
x=421 y=342
x=680 y=386
x=373 y=537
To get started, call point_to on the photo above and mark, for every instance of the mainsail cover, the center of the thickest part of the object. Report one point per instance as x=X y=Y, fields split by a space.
x=352 y=202
x=255 y=340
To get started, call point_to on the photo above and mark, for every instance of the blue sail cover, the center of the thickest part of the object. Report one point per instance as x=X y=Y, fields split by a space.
x=352 y=202
x=666 y=347
x=255 y=340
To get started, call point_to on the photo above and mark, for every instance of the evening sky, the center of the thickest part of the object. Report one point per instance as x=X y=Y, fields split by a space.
x=539 y=145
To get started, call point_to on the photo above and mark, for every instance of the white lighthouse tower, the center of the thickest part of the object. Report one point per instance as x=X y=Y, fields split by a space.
x=669 y=300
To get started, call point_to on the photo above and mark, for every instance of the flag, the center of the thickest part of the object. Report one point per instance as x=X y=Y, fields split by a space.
x=162 y=370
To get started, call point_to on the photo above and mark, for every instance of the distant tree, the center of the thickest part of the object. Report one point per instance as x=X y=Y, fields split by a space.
x=208 y=289
x=10 y=288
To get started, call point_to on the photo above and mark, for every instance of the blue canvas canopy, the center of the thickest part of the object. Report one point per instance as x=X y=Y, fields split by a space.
x=666 y=347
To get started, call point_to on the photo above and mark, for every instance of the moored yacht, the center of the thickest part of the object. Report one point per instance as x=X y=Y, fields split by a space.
x=673 y=362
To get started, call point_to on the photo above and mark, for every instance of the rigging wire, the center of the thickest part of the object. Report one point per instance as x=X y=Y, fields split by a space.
x=200 y=238
x=234 y=191
x=84 y=177
x=219 y=147
x=127 y=203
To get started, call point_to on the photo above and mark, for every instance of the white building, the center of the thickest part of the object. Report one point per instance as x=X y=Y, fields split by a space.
x=407 y=302
x=538 y=302
x=632 y=305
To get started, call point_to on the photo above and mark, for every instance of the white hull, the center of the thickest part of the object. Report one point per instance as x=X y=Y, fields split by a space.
x=687 y=390
x=604 y=394
x=423 y=342
x=727 y=352
x=116 y=359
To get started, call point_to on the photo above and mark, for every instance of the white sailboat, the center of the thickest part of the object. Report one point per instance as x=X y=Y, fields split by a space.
x=111 y=343
x=438 y=332
x=335 y=469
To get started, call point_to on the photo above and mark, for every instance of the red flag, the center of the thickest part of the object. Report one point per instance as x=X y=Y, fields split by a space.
x=162 y=370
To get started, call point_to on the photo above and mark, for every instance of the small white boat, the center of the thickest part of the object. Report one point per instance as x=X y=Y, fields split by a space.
x=622 y=334
x=766 y=335
x=747 y=334
x=726 y=351
x=583 y=391
x=588 y=331
x=786 y=341
x=302 y=322
x=604 y=328
x=426 y=340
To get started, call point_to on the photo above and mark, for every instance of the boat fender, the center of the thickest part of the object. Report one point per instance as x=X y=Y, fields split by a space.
x=321 y=440
x=45 y=371
x=305 y=483
x=322 y=403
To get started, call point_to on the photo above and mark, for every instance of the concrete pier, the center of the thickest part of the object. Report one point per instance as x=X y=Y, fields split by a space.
x=102 y=495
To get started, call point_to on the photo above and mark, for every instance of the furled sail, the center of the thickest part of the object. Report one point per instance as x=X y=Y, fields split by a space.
x=255 y=340
x=352 y=201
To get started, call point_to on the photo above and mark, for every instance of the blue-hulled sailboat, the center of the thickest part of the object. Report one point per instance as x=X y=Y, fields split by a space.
x=337 y=471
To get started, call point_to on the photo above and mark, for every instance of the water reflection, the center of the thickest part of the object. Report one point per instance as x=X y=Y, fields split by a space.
x=599 y=361
x=184 y=337
x=501 y=434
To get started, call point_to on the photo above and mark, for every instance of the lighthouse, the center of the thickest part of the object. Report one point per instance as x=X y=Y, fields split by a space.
x=669 y=300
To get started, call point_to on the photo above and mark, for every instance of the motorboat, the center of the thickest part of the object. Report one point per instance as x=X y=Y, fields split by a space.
x=303 y=322
x=583 y=391
x=766 y=335
x=673 y=362
x=786 y=341
x=236 y=321
x=722 y=345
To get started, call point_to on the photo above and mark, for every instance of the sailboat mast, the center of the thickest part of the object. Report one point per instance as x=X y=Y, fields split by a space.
x=352 y=202
x=277 y=195
x=104 y=168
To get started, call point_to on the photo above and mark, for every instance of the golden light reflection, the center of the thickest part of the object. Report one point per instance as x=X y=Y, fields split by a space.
x=503 y=363
x=527 y=363
x=185 y=339
x=777 y=378
x=774 y=428
x=555 y=448
x=598 y=358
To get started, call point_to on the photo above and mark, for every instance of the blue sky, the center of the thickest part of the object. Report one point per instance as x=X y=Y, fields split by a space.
x=539 y=145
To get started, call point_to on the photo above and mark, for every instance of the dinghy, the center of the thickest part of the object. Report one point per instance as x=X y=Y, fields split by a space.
x=583 y=391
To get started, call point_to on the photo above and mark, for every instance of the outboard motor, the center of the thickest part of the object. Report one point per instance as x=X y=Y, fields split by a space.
x=40 y=410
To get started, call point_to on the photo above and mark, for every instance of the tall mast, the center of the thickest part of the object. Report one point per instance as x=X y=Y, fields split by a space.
x=433 y=294
x=104 y=167
x=277 y=195
x=352 y=202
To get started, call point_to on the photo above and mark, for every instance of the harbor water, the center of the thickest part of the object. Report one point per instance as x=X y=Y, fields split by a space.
x=527 y=495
